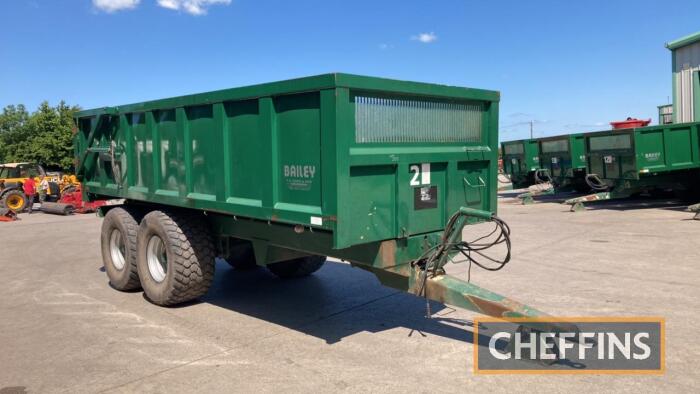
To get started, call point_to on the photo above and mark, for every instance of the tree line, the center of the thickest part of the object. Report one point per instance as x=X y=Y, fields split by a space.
x=44 y=136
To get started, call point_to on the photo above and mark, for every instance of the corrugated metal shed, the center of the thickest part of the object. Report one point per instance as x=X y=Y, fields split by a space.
x=665 y=114
x=686 y=78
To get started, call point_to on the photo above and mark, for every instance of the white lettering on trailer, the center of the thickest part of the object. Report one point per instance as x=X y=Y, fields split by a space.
x=299 y=171
x=421 y=172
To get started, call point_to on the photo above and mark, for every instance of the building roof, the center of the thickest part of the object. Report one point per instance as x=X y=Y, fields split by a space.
x=683 y=41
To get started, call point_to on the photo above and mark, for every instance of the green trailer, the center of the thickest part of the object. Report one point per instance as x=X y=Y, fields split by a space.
x=622 y=163
x=563 y=158
x=521 y=162
x=381 y=173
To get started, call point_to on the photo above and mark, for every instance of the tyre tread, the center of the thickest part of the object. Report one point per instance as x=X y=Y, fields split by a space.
x=131 y=226
x=194 y=252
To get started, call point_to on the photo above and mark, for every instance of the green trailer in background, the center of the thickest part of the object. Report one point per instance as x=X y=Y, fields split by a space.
x=521 y=162
x=622 y=163
x=563 y=158
x=381 y=173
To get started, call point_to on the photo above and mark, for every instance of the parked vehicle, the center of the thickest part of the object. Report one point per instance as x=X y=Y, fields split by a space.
x=12 y=177
x=381 y=173
x=622 y=163
x=521 y=162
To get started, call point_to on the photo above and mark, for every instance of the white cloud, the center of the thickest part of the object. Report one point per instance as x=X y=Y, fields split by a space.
x=194 y=7
x=115 y=5
x=425 y=38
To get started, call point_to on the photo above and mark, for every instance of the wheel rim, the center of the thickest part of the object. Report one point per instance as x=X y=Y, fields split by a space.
x=117 y=249
x=157 y=258
x=15 y=202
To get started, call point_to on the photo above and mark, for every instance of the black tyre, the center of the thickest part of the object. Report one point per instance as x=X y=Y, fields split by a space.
x=118 y=239
x=15 y=201
x=241 y=257
x=297 y=268
x=175 y=257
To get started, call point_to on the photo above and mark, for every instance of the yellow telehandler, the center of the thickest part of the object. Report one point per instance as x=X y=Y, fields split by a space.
x=13 y=176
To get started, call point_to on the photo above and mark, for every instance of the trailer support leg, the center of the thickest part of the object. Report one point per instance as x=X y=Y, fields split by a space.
x=577 y=203
x=529 y=197
x=695 y=208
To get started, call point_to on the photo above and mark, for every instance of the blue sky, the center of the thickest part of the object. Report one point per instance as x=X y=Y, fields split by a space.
x=569 y=66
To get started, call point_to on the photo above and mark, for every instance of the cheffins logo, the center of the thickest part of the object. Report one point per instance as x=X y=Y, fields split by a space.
x=570 y=346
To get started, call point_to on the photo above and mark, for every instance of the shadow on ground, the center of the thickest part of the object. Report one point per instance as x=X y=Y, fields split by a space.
x=336 y=302
x=621 y=204
x=637 y=203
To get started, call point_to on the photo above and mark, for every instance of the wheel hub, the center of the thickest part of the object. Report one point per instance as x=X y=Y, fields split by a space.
x=117 y=249
x=157 y=258
x=15 y=202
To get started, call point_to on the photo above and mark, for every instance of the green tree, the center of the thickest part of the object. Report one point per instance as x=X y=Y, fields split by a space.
x=12 y=122
x=45 y=136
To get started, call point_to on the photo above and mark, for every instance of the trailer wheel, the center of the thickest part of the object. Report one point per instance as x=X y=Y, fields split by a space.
x=175 y=258
x=297 y=268
x=118 y=239
x=241 y=257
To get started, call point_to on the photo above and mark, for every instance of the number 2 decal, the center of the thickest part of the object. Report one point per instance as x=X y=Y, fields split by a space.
x=421 y=171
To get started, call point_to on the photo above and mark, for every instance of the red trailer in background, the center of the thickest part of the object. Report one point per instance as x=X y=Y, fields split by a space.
x=629 y=123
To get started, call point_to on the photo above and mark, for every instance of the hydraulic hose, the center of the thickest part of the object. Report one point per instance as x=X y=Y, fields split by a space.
x=594 y=182
x=474 y=251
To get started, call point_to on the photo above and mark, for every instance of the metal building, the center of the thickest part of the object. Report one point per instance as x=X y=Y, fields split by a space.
x=665 y=114
x=685 y=53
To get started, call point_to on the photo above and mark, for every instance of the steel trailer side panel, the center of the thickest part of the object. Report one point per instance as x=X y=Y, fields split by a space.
x=667 y=148
x=657 y=149
x=411 y=162
x=562 y=155
x=555 y=156
x=520 y=159
x=258 y=158
x=294 y=152
x=578 y=151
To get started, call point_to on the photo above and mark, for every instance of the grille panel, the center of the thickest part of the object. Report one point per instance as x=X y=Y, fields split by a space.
x=386 y=120
x=610 y=142
x=513 y=149
x=555 y=146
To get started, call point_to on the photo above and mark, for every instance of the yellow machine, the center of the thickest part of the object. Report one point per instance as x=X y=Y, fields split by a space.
x=13 y=176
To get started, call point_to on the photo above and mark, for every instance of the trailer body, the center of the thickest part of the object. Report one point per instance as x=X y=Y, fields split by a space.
x=521 y=161
x=364 y=169
x=631 y=161
x=339 y=153
x=564 y=158
x=643 y=153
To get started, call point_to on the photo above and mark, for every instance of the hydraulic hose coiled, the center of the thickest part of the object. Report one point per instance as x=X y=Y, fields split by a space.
x=595 y=183
x=435 y=258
